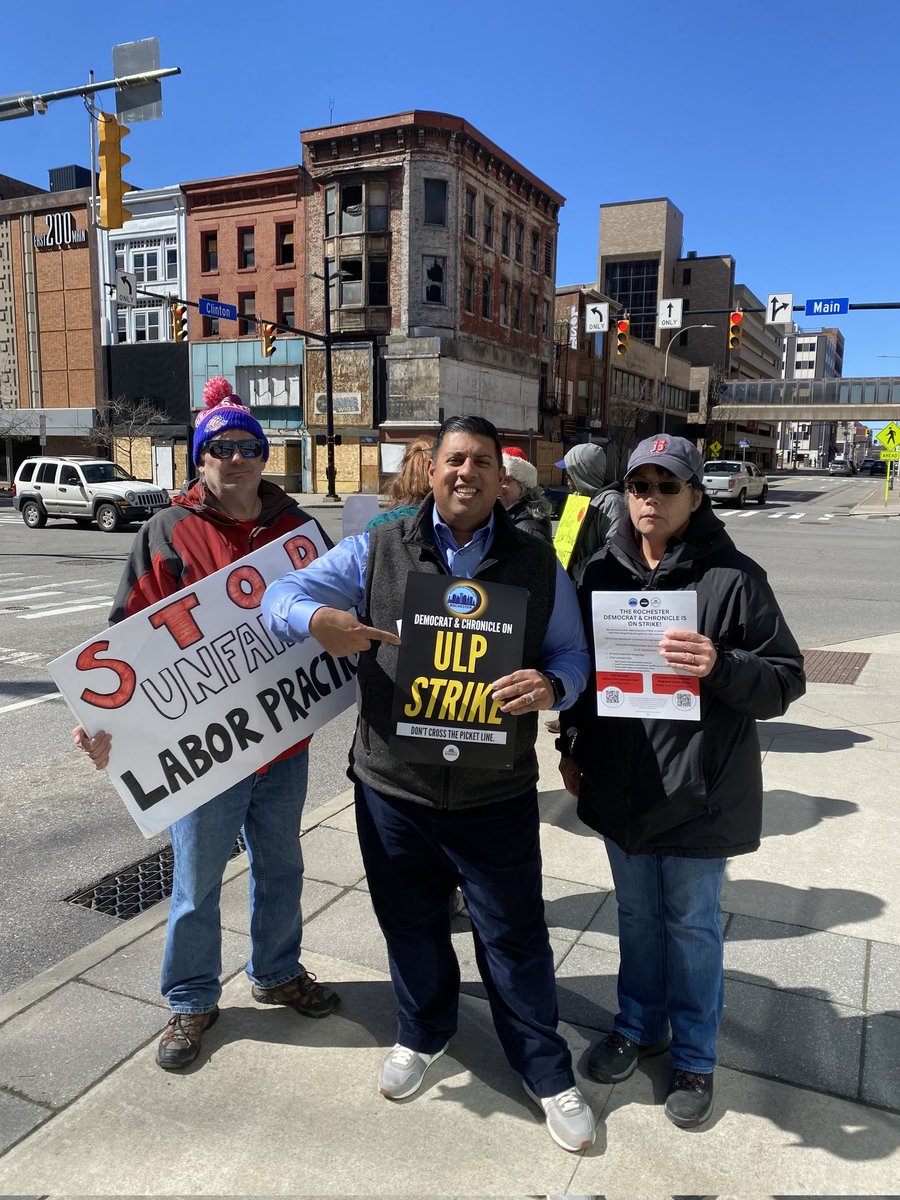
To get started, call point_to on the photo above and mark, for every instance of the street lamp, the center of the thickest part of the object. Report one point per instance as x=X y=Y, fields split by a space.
x=330 y=472
x=662 y=427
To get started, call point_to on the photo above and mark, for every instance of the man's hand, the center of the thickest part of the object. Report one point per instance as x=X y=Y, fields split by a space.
x=97 y=748
x=522 y=692
x=571 y=775
x=340 y=633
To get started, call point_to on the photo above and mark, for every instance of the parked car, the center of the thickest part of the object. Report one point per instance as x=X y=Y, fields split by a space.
x=841 y=466
x=86 y=489
x=729 y=481
x=873 y=466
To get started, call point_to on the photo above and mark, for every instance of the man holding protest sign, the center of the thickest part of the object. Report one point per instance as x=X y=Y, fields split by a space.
x=432 y=812
x=227 y=514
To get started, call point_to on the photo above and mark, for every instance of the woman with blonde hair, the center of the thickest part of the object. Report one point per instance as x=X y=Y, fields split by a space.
x=410 y=485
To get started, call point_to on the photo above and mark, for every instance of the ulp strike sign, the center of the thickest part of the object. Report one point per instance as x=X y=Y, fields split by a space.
x=459 y=636
x=196 y=692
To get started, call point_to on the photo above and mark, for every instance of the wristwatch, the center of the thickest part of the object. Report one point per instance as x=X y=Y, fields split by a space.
x=557 y=685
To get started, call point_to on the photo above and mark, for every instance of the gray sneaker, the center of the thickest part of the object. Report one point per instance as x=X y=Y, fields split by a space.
x=403 y=1070
x=570 y=1121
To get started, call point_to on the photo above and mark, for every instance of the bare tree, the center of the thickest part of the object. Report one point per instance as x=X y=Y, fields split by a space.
x=14 y=425
x=710 y=396
x=122 y=421
x=626 y=423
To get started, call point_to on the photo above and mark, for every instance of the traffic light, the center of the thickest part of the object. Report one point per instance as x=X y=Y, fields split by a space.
x=267 y=334
x=179 y=322
x=113 y=213
x=623 y=334
x=735 y=330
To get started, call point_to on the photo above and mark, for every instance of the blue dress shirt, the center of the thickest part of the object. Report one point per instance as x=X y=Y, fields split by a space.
x=338 y=580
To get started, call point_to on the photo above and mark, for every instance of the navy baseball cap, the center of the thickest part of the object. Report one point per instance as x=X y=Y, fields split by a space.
x=675 y=454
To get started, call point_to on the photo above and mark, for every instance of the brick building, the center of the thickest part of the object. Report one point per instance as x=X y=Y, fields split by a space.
x=245 y=246
x=50 y=361
x=441 y=250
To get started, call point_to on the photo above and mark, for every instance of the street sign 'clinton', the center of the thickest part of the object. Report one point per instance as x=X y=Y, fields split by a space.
x=827 y=307
x=214 y=308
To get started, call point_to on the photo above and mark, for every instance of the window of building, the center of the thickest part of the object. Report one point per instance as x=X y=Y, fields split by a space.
x=246 y=248
x=535 y=249
x=488 y=223
x=634 y=285
x=171 y=262
x=470 y=213
x=545 y=324
x=548 y=257
x=351 y=276
x=377 y=198
x=504 y=302
x=331 y=276
x=433 y=280
x=284 y=243
x=516 y=307
x=122 y=325
x=469 y=288
x=284 y=306
x=532 y=315
x=436 y=202
x=145 y=264
x=330 y=200
x=520 y=242
x=210 y=325
x=505 y=222
x=351 y=208
x=683 y=339
x=246 y=311
x=120 y=258
x=487 y=296
x=146 y=325
x=378 y=282
x=686 y=277
x=209 y=251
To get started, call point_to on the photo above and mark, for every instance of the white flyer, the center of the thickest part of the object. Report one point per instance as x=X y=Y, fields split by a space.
x=633 y=679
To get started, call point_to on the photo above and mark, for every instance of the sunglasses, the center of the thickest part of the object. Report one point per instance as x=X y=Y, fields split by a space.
x=224 y=449
x=643 y=487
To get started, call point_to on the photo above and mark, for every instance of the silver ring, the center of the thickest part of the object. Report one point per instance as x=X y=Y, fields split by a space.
x=530 y=697
x=693 y=660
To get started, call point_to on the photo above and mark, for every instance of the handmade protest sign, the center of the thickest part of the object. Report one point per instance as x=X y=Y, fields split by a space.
x=569 y=528
x=459 y=636
x=633 y=679
x=196 y=692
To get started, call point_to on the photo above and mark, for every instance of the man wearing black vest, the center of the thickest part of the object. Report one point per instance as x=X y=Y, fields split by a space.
x=424 y=829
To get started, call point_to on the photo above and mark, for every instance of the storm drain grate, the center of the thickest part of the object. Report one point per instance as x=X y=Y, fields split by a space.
x=833 y=666
x=128 y=892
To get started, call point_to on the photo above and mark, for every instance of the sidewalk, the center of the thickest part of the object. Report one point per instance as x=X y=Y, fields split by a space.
x=808 y=1091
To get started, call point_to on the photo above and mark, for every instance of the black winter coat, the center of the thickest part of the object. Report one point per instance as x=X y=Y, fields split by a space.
x=688 y=788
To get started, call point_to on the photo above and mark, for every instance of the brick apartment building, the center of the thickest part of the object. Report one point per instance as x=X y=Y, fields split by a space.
x=442 y=250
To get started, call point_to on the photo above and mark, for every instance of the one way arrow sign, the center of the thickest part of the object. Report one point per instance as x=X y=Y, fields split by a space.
x=596 y=318
x=669 y=314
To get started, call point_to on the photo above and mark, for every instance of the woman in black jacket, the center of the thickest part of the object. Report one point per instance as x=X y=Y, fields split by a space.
x=674 y=799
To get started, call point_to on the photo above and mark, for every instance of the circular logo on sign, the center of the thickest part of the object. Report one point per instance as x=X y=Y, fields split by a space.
x=465 y=599
x=451 y=752
x=644 y=602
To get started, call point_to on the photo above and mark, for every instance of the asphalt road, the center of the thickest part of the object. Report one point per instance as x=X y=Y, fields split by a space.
x=63 y=828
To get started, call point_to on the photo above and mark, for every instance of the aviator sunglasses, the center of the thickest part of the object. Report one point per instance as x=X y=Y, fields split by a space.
x=643 y=487
x=223 y=448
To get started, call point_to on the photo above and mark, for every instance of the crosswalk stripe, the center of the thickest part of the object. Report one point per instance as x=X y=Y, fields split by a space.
x=795 y=516
x=59 y=612
x=28 y=703
x=68 y=600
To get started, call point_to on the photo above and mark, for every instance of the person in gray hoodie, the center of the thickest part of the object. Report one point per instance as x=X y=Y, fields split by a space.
x=586 y=467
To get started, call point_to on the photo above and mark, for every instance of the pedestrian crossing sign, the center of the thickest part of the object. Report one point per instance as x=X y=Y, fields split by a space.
x=889 y=436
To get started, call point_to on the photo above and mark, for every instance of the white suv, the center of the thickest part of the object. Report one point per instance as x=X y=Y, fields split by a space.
x=86 y=489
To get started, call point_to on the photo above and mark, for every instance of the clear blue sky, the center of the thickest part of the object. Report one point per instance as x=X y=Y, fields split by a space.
x=772 y=125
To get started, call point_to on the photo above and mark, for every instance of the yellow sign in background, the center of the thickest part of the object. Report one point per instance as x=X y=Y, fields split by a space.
x=569 y=528
x=889 y=436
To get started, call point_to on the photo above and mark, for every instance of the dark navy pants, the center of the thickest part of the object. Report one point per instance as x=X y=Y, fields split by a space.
x=415 y=856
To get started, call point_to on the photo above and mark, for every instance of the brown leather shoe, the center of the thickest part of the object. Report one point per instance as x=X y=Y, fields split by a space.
x=302 y=994
x=180 y=1042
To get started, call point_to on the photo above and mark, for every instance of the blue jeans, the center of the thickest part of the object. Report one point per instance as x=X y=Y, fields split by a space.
x=268 y=807
x=671 y=965
x=415 y=856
